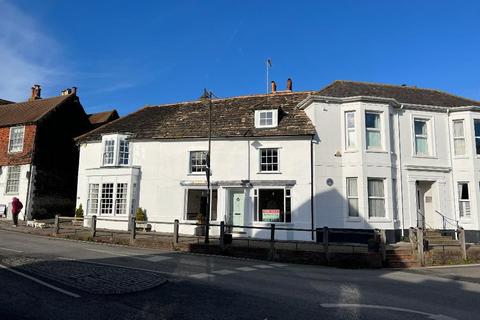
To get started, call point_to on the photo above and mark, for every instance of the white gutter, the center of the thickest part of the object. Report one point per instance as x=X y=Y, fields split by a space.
x=451 y=164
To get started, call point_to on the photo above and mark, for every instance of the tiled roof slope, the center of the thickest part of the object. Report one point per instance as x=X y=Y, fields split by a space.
x=403 y=94
x=5 y=101
x=103 y=117
x=231 y=117
x=29 y=111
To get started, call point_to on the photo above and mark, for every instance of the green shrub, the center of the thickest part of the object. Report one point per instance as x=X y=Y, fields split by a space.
x=140 y=215
x=79 y=212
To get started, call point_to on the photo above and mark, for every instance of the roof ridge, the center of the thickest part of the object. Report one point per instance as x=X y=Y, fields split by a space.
x=402 y=87
x=267 y=95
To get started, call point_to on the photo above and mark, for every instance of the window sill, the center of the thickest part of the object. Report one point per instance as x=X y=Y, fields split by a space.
x=11 y=193
x=423 y=157
x=285 y=224
x=351 y=151
x=379 y=220
x=269 y=172
x=353 y=219
x=15 y=152
x=460 y=157
x=375 y=151
x=196 y=174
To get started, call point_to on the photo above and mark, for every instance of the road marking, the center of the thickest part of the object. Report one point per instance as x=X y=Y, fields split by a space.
x=149 y=258
x=202 y=275
x=224 y=272
x=13 y=250
x=372 y=306
x=280 y=265
x=246 y=269
x=43 y=283
x=262 y=266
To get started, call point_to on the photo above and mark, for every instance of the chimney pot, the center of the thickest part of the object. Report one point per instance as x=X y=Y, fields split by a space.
x=36 y=92
x=274 y=86
x=74 y=90
x=289 y=84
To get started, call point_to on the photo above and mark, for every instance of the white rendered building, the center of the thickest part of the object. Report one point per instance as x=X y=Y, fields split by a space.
x=353 y=155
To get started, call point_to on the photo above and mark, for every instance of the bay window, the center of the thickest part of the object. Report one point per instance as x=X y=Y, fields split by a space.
x=92 y=202
x=350 y=135
x=273 y=205
x=458 y=137
x=352 y=197
x=463 y=200
x=373 y=130
x=477 y=135
x=116 y=150
x=376 y=198
x=107 y=198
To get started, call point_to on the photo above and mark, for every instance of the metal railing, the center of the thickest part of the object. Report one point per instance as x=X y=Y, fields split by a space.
x=448 y=220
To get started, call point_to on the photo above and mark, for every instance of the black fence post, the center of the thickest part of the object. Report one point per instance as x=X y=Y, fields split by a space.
x=57 y=224
x=222 y=235
x=176 y=227
x=272 y=241
x=93 y=229
x=133 y=232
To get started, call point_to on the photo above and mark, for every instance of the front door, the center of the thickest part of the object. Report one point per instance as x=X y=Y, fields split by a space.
x=237 y=209
x=425 y=205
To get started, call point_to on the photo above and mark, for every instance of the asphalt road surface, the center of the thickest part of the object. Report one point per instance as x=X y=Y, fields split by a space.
x=44 y=278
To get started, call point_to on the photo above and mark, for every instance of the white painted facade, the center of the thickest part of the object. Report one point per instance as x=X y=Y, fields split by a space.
x=6 y=196
x=158 y=176
x=416 y=185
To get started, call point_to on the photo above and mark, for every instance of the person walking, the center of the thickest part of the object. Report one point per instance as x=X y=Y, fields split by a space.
x=16 y=208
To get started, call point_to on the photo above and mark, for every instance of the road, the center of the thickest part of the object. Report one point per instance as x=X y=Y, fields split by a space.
x=45 y=278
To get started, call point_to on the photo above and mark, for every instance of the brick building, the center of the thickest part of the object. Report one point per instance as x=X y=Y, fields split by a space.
x=38 y=156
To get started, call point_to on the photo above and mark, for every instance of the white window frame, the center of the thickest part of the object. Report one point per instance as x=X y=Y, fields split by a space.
x=350 y=145
x=260 y=160
x=13 y=180
x=384 y=198
x=287 y=194
x=118 y=154
x=190 y=164
x=127 y=199
x=379 y=130
x=459 y=138
x=15 y=144
x=427 y=136
x=477 y=152
x=258 y=114
x=464 y=205
x=352 y=197
x=93 y=198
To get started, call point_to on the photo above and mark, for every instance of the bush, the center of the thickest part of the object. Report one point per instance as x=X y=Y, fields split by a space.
x=140 y=215
x=79 y=212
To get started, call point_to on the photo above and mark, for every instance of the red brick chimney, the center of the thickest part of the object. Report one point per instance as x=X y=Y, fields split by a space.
x=289 y=84
x=36 y=92
x=274 y=86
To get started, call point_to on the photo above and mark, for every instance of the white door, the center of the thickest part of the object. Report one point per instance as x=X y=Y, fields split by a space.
x=237 y=208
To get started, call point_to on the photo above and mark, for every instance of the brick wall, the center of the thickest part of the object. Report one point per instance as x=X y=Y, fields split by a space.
x=23 y=157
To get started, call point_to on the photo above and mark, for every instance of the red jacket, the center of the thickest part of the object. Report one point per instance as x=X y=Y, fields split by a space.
x=16 y=206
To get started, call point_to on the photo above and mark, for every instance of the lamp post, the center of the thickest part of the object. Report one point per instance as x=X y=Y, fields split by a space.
x=206 y=99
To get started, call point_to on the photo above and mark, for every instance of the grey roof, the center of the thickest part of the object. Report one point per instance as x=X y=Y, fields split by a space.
x=2 y=101
x=231 y=117
x=403 y=94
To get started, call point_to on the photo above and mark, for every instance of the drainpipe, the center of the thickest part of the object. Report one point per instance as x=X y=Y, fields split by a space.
x=312 y=195
x=401 y=173
x=451 y=163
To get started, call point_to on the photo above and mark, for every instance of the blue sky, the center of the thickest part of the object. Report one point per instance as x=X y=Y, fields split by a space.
x=127 y=54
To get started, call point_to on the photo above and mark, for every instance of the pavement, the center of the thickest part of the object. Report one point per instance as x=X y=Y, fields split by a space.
x=48 y=278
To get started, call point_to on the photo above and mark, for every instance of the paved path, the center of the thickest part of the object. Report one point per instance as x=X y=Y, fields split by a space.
x=169 y=285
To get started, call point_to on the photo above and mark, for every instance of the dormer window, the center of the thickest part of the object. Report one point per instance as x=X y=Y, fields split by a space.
x=15 y=143
x=266 y=118
x=116 y=150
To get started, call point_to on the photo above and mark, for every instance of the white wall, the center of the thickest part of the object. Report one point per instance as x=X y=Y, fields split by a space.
x=5 y=198
x=164 y=176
